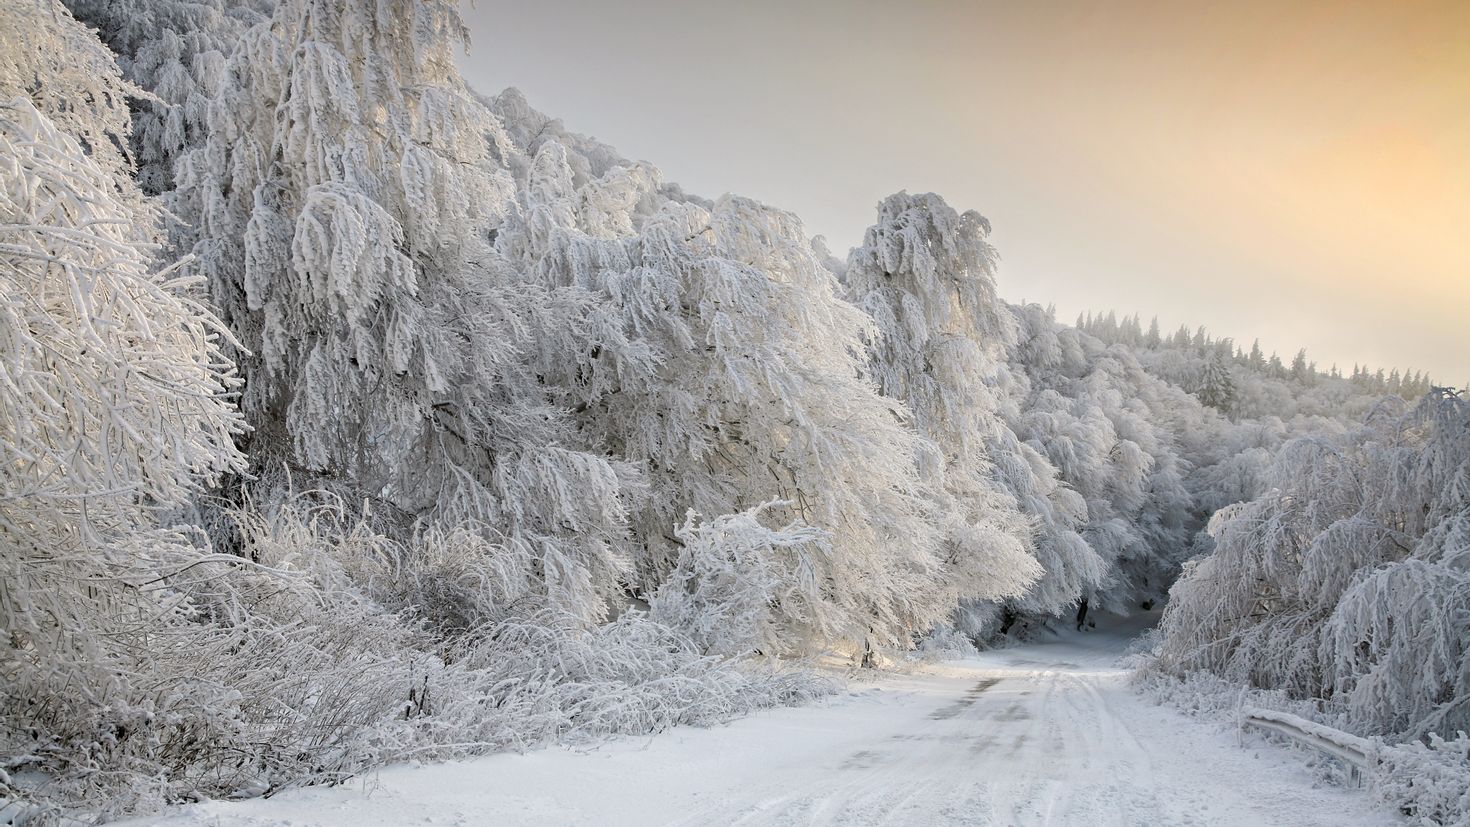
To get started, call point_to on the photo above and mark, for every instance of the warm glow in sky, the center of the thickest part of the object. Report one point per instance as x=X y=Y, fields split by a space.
x=1298 y=172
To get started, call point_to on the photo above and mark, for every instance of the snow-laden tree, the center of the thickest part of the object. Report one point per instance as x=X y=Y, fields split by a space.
x=115 y=404
x=1346 y=581
x=1070 y=568
x=114 y=394
x=732 y=375
x=1216 y=386
x=350 y=186
x=114 y=384
x=176 y=51
x=926 y=274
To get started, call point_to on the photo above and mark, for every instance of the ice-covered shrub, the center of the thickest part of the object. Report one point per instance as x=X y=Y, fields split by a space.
x=114 y=403
x=526 y=681
x=740 y=587
x=1429 y=782
x=946 y=642
x=223 y=675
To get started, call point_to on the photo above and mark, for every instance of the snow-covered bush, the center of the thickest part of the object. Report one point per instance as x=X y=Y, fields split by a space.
x=525 y=682
x=224 y=675
x=740 y=587
x=215 y=675
x=516 y=681
x=945 y=642
x=1428 y=782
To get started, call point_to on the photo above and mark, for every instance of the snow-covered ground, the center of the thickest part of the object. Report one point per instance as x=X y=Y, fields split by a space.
x=1047 y=733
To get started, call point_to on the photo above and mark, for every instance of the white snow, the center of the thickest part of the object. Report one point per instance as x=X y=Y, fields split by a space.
x=1047 y=733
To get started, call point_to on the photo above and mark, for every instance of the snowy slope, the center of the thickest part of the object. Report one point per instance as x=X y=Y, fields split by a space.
x=1043 y=734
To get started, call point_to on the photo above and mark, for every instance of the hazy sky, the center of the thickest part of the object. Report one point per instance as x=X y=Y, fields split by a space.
x=1294 y=171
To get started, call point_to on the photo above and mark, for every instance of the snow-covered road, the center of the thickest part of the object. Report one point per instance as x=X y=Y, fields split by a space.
x=1048 y=733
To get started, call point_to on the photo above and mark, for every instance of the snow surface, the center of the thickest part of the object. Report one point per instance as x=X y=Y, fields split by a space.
x=1047 y=733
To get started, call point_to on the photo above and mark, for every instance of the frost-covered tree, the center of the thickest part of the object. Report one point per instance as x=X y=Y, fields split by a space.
x=925 y=273
x=350 y=186
x=47 y=57
x=1299 y=368
x=1216 y=386
x=115 y=393
x=176 y=52
x=731 y=373
x=1071 y=568
x=739 y=584
x=115 y=404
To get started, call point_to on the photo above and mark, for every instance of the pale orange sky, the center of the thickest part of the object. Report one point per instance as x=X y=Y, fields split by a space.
x=1293 y=171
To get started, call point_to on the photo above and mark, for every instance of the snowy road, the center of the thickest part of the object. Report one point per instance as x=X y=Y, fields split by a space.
x=1043 y=734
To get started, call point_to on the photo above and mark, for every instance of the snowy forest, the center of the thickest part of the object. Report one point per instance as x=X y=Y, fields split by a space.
x=350 y=416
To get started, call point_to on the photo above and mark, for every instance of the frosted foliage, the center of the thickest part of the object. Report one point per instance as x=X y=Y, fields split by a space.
x=1347 y=580
x=114 y=403
x=242 y=675
x=741 y=587
x=1398 y=649
x=1070 y=567
x=176 y=50
x=380 y=195
x=587 y=159
x=1110 y=432
x=1429 y=780
x=112 y=382
x=926 y=275
x=349 y=189
x=71 y=79
x=729 y=369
